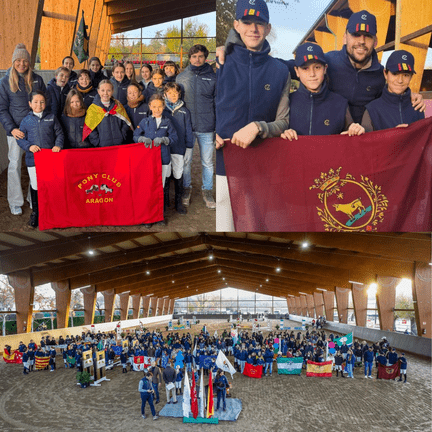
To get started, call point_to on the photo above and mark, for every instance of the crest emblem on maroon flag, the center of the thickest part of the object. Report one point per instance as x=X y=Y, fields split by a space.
x=348 y=204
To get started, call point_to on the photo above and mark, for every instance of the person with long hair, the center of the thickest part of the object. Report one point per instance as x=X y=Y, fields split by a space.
x=73 y=119
x=15 y=89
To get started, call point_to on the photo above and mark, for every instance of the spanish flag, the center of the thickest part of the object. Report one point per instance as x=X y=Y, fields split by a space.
x=315 y=369
x=210 y=402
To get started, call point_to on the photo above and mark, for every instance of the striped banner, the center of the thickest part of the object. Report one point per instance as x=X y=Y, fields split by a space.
x=323 y=369
x=290 y=365
x=41 y=362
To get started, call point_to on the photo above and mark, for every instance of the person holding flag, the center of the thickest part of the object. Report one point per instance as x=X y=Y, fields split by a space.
x=223 y=363
x=146 y=391
x=221 y=385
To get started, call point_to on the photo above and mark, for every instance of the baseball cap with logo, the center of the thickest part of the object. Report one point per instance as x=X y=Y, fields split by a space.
x=400 y=61
x=362 y=21
x=309 y=51
x=252 y=8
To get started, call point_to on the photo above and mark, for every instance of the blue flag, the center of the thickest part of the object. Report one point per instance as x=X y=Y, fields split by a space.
x=117 y=349
x=205 y=361
x=179 y=360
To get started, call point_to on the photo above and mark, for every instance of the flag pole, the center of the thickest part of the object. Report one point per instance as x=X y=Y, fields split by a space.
x=76 y=23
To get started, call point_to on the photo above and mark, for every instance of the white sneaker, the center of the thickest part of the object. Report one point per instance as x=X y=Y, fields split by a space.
x=371 y=377
x=365 y=376
x=16 y=210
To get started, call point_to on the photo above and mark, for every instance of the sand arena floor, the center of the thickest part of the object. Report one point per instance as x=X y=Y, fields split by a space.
x=45 y=401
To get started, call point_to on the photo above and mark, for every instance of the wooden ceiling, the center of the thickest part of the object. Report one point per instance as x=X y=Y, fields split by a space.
x=178 y=265
x=134 y=14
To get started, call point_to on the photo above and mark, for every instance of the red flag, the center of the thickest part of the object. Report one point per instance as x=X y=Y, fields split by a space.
x=388 y=372
x=379 y=181
x=15 y=357
x=210 y=402
x=319 y=369
x=253 y=371
x=119 y=185
x=194 y=400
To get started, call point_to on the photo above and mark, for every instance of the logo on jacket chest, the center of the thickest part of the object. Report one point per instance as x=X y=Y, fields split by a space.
x=267 y=87
x=327 y=122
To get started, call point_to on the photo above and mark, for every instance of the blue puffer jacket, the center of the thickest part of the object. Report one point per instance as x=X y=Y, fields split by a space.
x=15 y=106
x=137 y=114
x=199 y=86
x=73 y=130
x=57 y=97
x=148 y=129
x=73 y=79
x=45 y=133
x=120 y=89
x=359 y=87
x=88 y=97
x=111 y=130
x=181 y=119
x=321 y=113
x=249 y=88
x=391 y=110
x=369 y=356
x=150 y=91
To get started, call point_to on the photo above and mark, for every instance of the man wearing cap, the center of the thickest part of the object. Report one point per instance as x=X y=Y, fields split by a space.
x=394 y=108
x=252 y=97
x=355 y=71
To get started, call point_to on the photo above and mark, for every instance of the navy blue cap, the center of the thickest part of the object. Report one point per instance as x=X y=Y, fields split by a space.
x=309 y=51
x=252 y=8
x=401 y=61
x=362 y=21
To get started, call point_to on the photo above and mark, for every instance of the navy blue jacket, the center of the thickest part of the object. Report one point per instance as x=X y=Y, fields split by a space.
x=89 y=96
x=57 y=97
x=359 y=87
x=45 y=133
x=181 y=119
x=403 y=362
x=15 y=106
x=199 y=92
x=73 y=78
x=137 y=114
x=392 y=358
x=321 y=113
x=120 y=89
x=110 y=131
x=242 y=95
x=73 y=132
x=148 y=129
x=97 y=77
x=221 y=383
x=368 y=356
x=391 y=110
x=150 y=91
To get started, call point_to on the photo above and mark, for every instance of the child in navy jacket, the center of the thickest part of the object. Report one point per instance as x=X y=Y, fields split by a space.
x=57 y=90
x=42 y=130
x=180 y=117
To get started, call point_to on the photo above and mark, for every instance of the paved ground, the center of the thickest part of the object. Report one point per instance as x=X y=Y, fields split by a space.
x=44 y=401
x=199 y=218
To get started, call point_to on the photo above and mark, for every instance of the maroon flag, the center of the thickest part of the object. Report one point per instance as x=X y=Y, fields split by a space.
x=194 y=399
x=388 y=372
x=253 y=371
x=119 y=185
x=379 y=181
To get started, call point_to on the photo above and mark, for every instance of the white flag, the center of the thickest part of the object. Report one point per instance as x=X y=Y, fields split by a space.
x=223 y=363
x=202 y=396
x=186 y=397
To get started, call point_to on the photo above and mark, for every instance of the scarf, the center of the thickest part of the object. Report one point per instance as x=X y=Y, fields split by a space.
x=80 y=112
x=136 y=102
x=95 y=115
x=173 y=106
x=84 y=89
x=198 y=68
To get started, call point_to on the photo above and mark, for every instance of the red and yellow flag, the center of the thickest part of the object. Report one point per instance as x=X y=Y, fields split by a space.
x=210 y=402
x=315 y=369
x=41 y=362
x=15 y=357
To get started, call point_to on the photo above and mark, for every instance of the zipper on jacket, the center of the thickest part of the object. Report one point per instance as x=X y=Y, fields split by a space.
x=196 y=98
x=400 y=109
x=250 y=88
x=311 y=111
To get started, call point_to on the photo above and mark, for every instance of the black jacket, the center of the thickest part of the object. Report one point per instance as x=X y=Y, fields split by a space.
x=73 y=130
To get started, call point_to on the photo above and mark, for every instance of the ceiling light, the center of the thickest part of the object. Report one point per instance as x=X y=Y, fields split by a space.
x=267 y=280
x=260 y=286
x=358 y=283
x=147 y=272
x=305 y=245
x=219 y=271
x=210 y=257
x=223 y=278
x=172 y=281
x=321 y=289
x=148 y=295
x=165 y=296
x=278 y=269
x=302 y=293
x=91 y=252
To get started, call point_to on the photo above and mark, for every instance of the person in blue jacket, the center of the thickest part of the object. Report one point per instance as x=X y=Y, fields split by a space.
x=57 y=90
x=170 y=70
x=158 y=130
x=136 y=108
x=268 y=357
x=221 y=383
x=31 y=358
x=123 y=360
x=41 y=130
x=368 y=357
x=394 y=107
x=392 y=357
x=315 y=110
x=15 y=89
x=156 y=85
x=242 y=356
x=349 y=363
x=120 y=83
x=73 y=119
x=69 y=63
x=25 y=358
x=403 y=367
x=146 y=391
x=178 y=381
x=180 y=117
x=85 y=87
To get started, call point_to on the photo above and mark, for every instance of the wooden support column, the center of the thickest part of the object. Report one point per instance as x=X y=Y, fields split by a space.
x=89 y=295
x=422 y=298
x=319 y=303
x=298 y=306
x=22 y=283
x=152 y=308
x=292 y=306
x=310 y=305
x=136 y=300
x=63 y=299
x=124 y=305
x=288 y=304
x=146 y=306
x=328 y=297
x=360 y=299
x=171 y=307
x=159 y=306
x=303 y=305
x=165 y=306
x=109 y=297
x=386 y=298
x=342 y=304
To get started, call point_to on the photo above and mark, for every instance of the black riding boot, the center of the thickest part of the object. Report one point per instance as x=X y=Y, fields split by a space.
x=34 y=217
x=166 y=193
x=178 y=184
